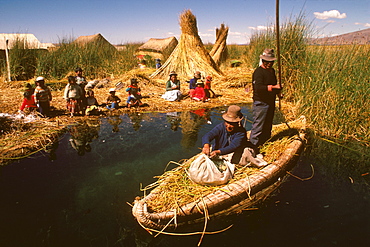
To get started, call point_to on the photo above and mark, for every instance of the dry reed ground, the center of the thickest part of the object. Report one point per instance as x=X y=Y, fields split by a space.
x=24 y=139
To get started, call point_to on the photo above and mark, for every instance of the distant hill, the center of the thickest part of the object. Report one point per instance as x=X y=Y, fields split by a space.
x=359 y=37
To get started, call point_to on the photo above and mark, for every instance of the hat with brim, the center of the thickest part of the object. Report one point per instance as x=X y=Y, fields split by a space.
x=233 y=114
x=40 y=78
x=268 y=55
x=112 y=90
x=197 y=74
x=199 y=83
x=172 y=73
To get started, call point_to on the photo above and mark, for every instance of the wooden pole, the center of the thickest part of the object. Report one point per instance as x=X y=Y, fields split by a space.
x=7 y=58
x=278 y=47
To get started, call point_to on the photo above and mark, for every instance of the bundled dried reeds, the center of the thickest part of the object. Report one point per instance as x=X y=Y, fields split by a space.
x=219 y=51
x=180 y=190
x=177 y=189
x=190 y=55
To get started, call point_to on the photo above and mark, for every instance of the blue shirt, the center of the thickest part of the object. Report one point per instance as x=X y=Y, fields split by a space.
x=226 y=142
x=193 y=83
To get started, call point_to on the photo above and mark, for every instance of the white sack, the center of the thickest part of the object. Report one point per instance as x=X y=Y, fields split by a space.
x=203 y=171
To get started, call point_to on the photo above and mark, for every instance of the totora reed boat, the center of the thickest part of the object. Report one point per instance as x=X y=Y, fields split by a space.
x=175 y=201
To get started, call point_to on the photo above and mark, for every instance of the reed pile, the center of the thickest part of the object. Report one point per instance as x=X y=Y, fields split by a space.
x=190 y=55
x=219 y=51
x=177 y=189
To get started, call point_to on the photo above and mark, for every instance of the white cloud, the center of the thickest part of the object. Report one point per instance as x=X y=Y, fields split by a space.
x=330 y=14
x=235 y=33
x=362 y=24
x=258 y=28
x=205 y=35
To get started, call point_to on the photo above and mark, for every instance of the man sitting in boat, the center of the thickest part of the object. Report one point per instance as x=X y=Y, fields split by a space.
x=230 y=138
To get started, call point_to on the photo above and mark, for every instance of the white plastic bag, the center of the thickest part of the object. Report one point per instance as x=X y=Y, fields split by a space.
x=203 y=171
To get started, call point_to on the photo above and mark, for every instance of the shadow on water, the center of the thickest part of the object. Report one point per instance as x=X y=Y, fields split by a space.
x=76 y=192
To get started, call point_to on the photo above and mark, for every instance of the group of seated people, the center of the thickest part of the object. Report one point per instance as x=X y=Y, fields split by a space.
x=80 y=99
x=198 y=90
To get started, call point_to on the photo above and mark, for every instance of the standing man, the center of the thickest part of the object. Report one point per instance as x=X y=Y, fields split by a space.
x=265 y=89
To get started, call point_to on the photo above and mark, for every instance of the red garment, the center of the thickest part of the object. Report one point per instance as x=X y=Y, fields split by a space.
x=29 y=103
x=199 y=93
x=207 y=85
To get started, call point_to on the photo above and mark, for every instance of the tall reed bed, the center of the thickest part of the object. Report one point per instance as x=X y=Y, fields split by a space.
x=334 y=91
x=97 y=59
x=22 y=60
x=329 y=84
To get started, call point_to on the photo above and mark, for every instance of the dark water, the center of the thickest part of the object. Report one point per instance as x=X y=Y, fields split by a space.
x=77 y=197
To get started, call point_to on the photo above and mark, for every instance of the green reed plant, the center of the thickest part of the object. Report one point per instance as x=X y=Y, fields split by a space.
x=334 y=91
x=98 y=60
x=22 y=60
x=329 y=84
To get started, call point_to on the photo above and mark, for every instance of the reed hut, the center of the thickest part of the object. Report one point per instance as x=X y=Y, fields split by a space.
x=190 y=55
x=158 y=48
x=219 y=51
x=96 y=39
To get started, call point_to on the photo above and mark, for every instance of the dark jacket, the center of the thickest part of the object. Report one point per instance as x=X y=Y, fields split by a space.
x=261 y=79
x=226 y=142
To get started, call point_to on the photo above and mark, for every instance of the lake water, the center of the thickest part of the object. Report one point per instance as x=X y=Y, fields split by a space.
x=76 y=193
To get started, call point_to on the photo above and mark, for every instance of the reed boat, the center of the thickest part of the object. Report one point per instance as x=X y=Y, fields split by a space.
x=175 y=201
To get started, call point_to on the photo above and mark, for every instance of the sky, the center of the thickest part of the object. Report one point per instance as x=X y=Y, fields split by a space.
x=125 y=21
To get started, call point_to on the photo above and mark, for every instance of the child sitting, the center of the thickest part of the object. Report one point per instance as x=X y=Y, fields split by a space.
x=91 y=102
x=134 y=95
x=199 y=94
x=28 y=102
x=113 y=100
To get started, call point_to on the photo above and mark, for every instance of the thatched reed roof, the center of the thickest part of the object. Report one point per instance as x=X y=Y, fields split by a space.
x=190 y=55
x=219 y=51
x=96 y=38
x=29 y=40
x=159 y=45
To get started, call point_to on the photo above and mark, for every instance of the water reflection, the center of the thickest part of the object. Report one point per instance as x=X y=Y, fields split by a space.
x=191 y=122
x=173 y=118
x=115 y=121
x=81 y=200
x=51 y=149
x=136 y=118
x=82 y=134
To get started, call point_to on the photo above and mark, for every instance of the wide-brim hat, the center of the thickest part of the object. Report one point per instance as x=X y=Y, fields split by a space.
x=268 y=55
x=233 y=114
x=40 y=78
x=112 y=90
x=173 y=73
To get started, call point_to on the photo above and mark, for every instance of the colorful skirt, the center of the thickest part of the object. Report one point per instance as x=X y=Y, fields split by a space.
x=73 y=105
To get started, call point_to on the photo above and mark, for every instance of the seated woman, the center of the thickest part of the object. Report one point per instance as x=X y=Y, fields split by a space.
x=173 y=92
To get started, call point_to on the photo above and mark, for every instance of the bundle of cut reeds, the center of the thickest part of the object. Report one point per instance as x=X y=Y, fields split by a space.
x=190 y=55
x=219 y=51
